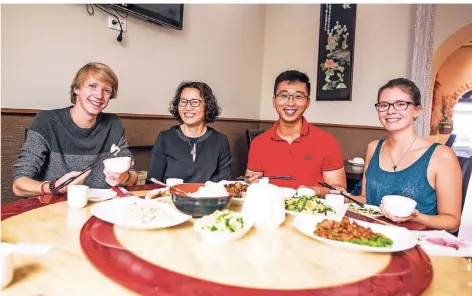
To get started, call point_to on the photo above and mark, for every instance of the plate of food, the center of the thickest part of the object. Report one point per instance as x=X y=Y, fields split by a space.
x=136 y=213
x=312 y=205
x=356 y=235
x=97 y=195
x=367 y=210
x=237 y=189
x=158 y=193
x=222 y=226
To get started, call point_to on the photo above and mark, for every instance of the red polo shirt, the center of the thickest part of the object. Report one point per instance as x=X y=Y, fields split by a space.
x=306 y=158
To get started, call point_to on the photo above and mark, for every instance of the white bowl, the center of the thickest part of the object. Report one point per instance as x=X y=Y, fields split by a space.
x=117 y=165
x=305 y=191
x=399 y=206
x=219 y=236
x=287 y=192
x=6 y=263
x=358 y=160
x=174 y=181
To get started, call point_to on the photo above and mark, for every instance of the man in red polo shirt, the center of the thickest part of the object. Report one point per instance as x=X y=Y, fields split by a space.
x=293 y=146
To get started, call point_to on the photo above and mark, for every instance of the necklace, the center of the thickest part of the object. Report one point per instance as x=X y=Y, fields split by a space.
x=395 y=165
x=193 y=147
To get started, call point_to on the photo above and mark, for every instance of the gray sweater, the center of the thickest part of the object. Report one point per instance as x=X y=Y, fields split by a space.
x=55 y=145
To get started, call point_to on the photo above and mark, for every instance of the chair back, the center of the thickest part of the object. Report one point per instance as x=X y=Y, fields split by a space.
x=465 y=229
x=251 y=134
x=466 y=168
x=450 y=140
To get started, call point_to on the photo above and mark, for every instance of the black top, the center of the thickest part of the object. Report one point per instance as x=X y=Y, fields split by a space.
x=171 y=157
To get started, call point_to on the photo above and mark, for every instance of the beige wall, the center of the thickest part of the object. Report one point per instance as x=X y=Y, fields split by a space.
x=44 y=45
x=383 y=50
x=449 y=19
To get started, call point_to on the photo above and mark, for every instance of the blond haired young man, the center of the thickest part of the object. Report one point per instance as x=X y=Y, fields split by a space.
x=61 y=142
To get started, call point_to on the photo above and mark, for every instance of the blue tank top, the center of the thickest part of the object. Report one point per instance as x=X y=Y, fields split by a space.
x=411 y=182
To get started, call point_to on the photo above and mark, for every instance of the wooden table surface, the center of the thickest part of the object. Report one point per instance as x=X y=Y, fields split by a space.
x=92 y=257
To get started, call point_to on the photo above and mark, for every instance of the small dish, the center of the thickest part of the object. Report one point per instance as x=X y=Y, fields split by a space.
x=368 y=210
x=219 y=236
x=158 y=193
x=97 y=195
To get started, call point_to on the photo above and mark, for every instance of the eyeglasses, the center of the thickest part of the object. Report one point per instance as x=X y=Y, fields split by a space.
x=398 y=105
x=193 y=103
x=284 y=97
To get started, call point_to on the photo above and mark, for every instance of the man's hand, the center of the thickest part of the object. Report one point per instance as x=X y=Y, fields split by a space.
x=115 y=179
x=77 y=181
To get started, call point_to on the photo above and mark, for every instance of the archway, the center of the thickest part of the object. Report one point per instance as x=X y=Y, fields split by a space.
x=453 y=43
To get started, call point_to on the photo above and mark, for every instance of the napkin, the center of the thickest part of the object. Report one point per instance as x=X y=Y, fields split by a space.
x=442 y=243
x=30 y=249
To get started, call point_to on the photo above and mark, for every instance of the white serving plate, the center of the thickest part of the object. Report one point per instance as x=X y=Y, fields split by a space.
x=96 y=195
x=112 y=212
x=376 y=208
x=402 y=238
x=355 y=163
x=218 y=236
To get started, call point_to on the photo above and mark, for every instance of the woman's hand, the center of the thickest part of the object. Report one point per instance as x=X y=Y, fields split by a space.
x=396 y=219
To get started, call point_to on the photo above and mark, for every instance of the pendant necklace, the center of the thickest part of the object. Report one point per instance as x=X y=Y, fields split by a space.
x=395 y=165
x=193 y=147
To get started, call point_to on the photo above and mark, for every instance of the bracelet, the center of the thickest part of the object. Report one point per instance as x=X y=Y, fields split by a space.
x=52 y=188
x=41 y=187
x=129 y=177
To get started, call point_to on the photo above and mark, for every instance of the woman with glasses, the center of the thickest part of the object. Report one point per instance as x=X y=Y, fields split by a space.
x=192 y=151
x=408 y=165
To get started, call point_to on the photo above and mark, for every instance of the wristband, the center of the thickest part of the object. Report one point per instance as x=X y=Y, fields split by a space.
x=129 y=177
x=52 y=188
x=41 y=187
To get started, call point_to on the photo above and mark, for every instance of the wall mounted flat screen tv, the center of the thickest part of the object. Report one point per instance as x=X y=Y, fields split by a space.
x=170 y=15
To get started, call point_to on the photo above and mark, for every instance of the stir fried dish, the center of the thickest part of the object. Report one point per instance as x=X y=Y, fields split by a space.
x=237 y=189
x=365 y=210
x=345 y=231
x=307 y=204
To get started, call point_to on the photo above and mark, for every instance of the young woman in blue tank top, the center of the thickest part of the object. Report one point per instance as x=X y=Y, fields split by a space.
x=408 y=165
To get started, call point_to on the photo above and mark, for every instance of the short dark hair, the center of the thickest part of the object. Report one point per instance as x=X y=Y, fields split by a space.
x=406 y=85
x=292 y=76
x=212 y=109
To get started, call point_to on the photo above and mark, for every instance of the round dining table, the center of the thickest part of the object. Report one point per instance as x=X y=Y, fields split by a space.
x=89 y=256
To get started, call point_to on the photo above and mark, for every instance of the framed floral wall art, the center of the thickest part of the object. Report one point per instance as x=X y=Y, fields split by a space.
x=336 y=52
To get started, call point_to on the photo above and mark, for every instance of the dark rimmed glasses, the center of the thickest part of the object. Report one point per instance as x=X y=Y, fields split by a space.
x=284 y=97
x=194 y=102
x=398 y=105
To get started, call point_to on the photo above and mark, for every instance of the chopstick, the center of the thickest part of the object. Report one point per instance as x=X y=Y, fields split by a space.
x=87 y=168
x=269 y=177
x=345 y=195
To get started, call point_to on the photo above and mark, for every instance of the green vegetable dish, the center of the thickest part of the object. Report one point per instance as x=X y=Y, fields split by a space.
x=366 y=210
x=307 y=204
x=224 y=221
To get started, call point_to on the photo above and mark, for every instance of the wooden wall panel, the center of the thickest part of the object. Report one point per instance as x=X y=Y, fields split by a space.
x=142 y=130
